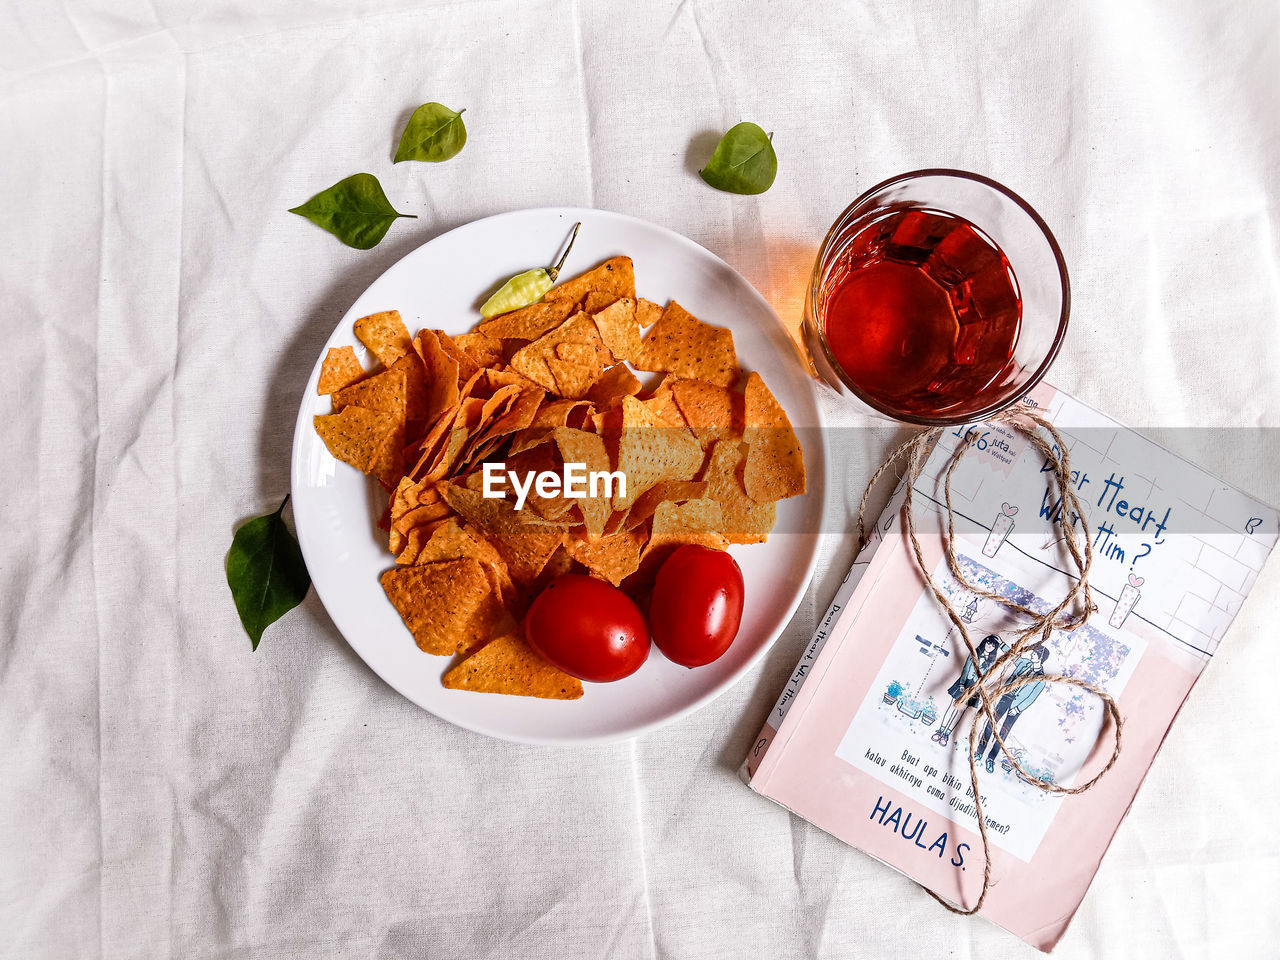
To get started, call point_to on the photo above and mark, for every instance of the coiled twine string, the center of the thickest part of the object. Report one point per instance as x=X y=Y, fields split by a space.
x=1070 y=613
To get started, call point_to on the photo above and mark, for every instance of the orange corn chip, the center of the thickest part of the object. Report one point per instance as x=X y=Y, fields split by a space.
x=340 y=369
x=355 y=435
x=619 y=329
x=525 y=542
x=518 y=416
x=712 y=412
x=597 y=300
x=529 y=323
x=614 y=384
x=616 y=276
x=579 y=446
x=388 y=461
x=650 y=450
x=534 y=360
x=441 y=374
x=404 y=498
x=507 y=664
x=384 y=392
x=415 y=386
x=551 y=414
x=496 y=517
x=681 y=343
x=745 y=520
x=694 y=521
x=527 y=554
x=580 y=353
x=574 y=380
x=663 y=406
x=447 y=606
x=419 y=516
x=613 y=558
x=450 y=541
x=467 y=367
x=385 y=335
x=647 y=313
x=480 y=347
x=675 y=491
x=410 y=545
x=775 y=462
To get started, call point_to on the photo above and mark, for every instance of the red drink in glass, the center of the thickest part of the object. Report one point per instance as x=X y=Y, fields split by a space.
x=922 y=311
x=939 y=297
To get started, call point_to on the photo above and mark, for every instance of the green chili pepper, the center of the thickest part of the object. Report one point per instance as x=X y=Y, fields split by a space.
x=528 y=287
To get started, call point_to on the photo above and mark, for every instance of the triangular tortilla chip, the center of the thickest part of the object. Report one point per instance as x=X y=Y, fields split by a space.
x=619 y=329
x=534 y=359
x=467 y=367
x=745 y=520
x=388 y=461
x=580 y=446
x=647 y=313
x=385 y=335
x=529 y=323
x=507 y=664
x=551 y=414
x=415 y=386
x=650 y=450
x=675 y=491
x=694 y=521
x=574 y=380
x=355 y=435
x=451 y=541
x=447 y=606
x=614 y=384
x=480 y=347
x=597 y=300
x=517 y=417
x=712 y=412
x=775 y=462
x=681 y=343
x=340 y=369
x=616 y=276
x=663 y=406
x=441 y=374
x=384 y=392
x=613 y=558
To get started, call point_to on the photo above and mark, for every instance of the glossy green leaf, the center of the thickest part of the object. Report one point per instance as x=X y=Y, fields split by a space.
x=354 y=210
x=434 y=133
x=744 y=161
x=266 y=573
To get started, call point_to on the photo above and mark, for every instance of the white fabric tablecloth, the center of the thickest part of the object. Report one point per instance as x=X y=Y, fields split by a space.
x=167 y=793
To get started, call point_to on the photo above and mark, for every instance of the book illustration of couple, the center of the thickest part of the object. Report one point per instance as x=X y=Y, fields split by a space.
x=1009 y=707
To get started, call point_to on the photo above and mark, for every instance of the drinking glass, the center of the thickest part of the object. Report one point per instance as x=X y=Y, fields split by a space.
x=1006 y=231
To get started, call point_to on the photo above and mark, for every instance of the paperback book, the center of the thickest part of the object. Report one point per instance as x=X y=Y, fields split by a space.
x=869 y=739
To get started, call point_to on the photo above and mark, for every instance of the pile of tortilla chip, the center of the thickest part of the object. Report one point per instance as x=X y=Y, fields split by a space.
x=706 y=456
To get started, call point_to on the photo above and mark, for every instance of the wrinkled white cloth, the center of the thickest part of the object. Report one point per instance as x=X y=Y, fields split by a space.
x=167 y=793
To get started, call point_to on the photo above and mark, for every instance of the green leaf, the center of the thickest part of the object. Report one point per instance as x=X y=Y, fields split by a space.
x=434 y=133
x=266 y=573
x=354 y=210
x=744 y=161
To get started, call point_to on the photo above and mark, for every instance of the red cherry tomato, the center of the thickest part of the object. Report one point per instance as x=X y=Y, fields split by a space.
x=588 y=629
x=697 y=605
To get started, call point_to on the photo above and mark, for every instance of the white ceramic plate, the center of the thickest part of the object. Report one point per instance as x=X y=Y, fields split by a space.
x=438 y=285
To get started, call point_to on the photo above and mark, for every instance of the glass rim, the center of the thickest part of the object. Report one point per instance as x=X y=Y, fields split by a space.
x=992 y=408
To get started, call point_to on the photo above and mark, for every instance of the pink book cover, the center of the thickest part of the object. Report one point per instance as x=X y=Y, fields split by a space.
x=865 y=741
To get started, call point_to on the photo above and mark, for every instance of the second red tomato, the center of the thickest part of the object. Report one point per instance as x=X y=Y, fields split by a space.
x=697 y=605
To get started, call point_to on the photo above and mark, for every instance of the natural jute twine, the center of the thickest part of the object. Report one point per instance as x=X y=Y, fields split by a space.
x=1073 y=610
